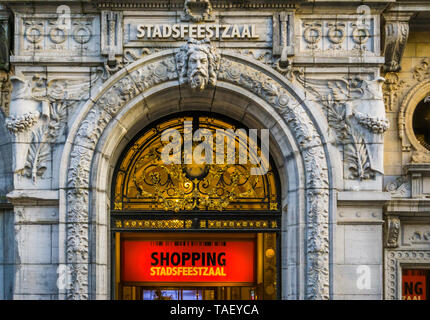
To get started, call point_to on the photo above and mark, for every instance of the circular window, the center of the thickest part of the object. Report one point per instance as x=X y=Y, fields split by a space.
x=421 y=122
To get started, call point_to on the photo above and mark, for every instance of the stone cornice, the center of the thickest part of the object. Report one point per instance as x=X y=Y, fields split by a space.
x=418 y=168
x=417 y=208
x=363 y=198
x=20 y=197
x=409 y=6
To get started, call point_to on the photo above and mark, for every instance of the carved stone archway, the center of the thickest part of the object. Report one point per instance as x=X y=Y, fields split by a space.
x=151 y=75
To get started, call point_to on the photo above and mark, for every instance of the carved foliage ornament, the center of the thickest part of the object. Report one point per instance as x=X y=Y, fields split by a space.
x=355 y=121
x=246 y=76
x=73 y=36
x=337 y=35
x=198 y=11
x=38 y=112
x=312 y=33
x=392 y=88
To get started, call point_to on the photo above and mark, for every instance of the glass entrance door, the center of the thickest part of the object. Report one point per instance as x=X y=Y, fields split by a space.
x=191 y=293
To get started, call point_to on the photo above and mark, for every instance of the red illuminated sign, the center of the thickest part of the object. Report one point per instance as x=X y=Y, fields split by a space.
x=188 y=261
x=414 y=288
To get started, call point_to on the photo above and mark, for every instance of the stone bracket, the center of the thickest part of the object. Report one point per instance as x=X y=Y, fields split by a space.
x=283 y=35
x=392 y=230
x=111 y=35
x=396 y=34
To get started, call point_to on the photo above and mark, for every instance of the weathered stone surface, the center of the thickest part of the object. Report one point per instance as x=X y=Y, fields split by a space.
x=348 y=280
x=34 y=244
x=36 y=279
x=360 y=245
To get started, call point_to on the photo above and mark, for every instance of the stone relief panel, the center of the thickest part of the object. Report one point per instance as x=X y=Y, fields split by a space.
x=416 y=235
x=49 y=34
x=338 y=35
x=400 y=187
x=5 y=89
x=37 y=118
x=355 y=111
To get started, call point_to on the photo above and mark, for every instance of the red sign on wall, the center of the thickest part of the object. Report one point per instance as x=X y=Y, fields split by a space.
x=188 y=261
x=414 y=287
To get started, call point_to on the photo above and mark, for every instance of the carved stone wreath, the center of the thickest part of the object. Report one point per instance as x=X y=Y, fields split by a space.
x=206 y=13
x=255 y=78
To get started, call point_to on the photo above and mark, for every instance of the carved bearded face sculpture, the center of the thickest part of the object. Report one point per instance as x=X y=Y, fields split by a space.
x=198 y=63
x=198 y=70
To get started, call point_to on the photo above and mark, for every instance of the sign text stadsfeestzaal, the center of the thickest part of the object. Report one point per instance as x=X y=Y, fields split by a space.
x=197 y=31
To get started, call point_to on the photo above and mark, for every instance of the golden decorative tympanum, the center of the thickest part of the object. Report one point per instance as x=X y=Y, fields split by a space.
x=144 y=181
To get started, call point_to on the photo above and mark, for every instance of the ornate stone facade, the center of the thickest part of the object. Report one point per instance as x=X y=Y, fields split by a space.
x=336 y=90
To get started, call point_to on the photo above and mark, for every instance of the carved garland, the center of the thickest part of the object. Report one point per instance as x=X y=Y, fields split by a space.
x=236 y=72
x=410 y=101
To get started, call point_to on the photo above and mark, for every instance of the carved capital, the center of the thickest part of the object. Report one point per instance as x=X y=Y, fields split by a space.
x=392 y=230
x=396 y=34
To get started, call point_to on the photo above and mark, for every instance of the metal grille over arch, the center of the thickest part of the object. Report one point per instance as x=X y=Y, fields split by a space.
x=144 y=182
